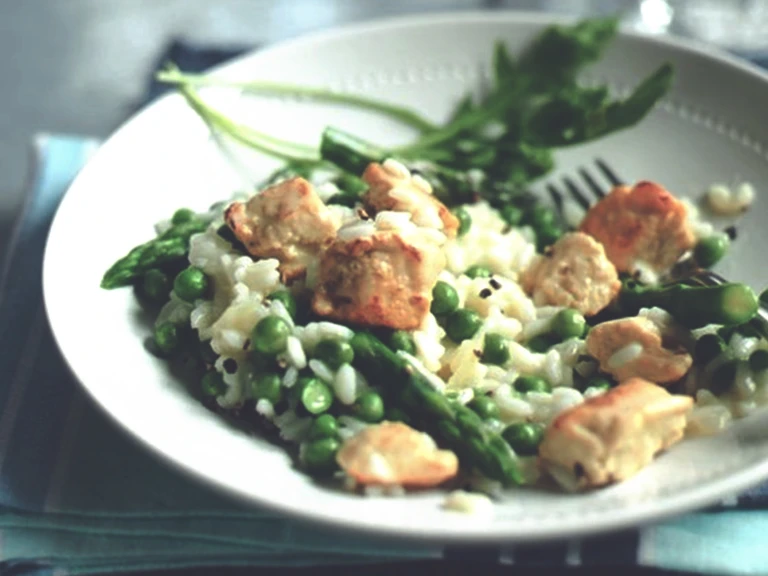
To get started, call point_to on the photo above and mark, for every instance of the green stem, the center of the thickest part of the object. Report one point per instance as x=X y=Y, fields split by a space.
x=400 y=113
x=265 y=143
x=451 y=130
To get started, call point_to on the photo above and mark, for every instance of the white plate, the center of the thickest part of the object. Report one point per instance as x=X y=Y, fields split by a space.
x=713 y=127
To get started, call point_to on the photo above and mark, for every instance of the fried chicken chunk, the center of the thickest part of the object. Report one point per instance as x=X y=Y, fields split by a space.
x=392 y=187
x=287 y=221
x=379 y=279
x=576 y=273
x=611 y=437
x=394 y=454
x=640 y=224
x=635 y=347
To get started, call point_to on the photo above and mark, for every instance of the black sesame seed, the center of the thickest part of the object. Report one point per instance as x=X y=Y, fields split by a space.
x=578 y=470
x=495 y=284
x=485 y=293
x=731 y=231
x=230 y=365
x=478 y=353
x=247 y=343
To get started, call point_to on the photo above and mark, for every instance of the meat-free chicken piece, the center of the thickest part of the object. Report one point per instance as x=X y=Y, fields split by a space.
x=643 y=224
x=287 y=221
x=574 y=272
x=394 y=454
x=392 y=187
x=637 y=347
x=611 y=437
x=379 y=279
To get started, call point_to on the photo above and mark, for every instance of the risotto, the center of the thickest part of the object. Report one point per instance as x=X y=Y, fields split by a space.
x=523 y=342
x=405 y=324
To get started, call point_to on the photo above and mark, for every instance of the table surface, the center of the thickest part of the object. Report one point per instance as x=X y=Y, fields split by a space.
x=79 y=66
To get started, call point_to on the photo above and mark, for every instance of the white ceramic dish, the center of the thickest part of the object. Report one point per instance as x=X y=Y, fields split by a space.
x=713 y=127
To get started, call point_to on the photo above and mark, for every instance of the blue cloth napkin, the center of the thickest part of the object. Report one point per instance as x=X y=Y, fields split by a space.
x=77 y=496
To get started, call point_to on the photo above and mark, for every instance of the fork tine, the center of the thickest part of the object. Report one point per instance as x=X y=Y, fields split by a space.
x=593 y=185
x=576 y=194
x=557 y=197
x=608 y=172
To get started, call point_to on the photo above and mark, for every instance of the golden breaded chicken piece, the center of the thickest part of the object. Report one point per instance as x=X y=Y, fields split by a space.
x=392 y=188
x=287 y=221
x=574 y=272
x=394 y=454
x=644 y=223
x=635 y=347
x=381 y=279
x=611 y=437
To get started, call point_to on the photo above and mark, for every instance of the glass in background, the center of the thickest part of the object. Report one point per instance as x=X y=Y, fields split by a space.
x=737 y=25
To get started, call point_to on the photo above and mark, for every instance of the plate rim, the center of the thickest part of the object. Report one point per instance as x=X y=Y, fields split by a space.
x=645 y=515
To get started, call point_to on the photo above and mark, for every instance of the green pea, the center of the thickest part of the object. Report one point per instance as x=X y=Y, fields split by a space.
x=531 y=384
x=324 y=426
x=156 y=285
x=478 y=271
x=287 y=300
x=547 y=235
x=267 y=386
x=182 y=216
x=512 y=215
x=758 y=360
x=465 y=220
x=485 y=407
x=709 y=251
x=540 y=343
x=191 y=284
x=568 y=323
x=315 y=396
x=445 y=299
x=707 y=348
x=369 y=407
x=212 y=384
x=402 y=340
x=270 y=335
x=539 y=216
x=599 y=382
x=524 y=438
x=463 y=324
x=723 y=377
x=395 y=414
x=166 y=337
x=319 y=456
x=334 y=353
x=495 y=349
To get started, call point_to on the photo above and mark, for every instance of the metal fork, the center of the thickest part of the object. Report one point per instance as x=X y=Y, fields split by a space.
x=685 y=270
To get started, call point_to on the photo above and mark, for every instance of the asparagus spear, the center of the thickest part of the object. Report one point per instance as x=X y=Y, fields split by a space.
x=168 y=247
x=694 y=306
x=456 y=426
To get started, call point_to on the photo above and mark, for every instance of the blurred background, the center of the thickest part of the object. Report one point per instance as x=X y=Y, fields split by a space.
x=82 y=66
